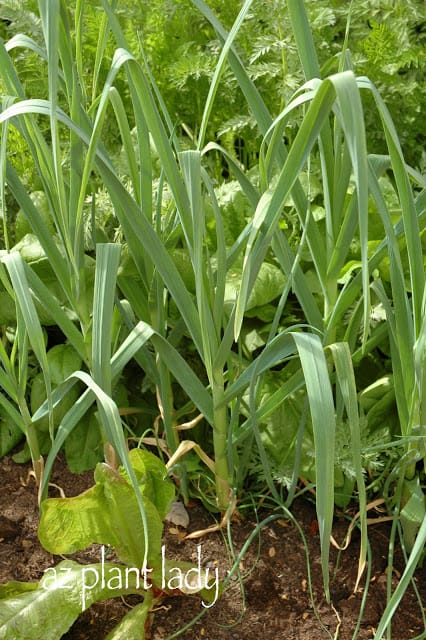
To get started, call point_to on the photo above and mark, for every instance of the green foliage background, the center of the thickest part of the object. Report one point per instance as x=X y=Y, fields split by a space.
x=386 y=41
x=383 y=40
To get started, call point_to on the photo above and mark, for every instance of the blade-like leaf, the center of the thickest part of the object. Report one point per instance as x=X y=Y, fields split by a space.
x=346 y=383
x=403 y=583
x=107 y=263
x=321 y=404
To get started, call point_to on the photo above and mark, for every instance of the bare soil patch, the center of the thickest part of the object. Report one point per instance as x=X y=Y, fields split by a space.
x=271 y=600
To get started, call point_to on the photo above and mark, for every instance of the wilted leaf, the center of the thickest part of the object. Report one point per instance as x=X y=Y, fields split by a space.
x=178 y=515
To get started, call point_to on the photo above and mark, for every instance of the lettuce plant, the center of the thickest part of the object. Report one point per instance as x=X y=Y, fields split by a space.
x=106 y=514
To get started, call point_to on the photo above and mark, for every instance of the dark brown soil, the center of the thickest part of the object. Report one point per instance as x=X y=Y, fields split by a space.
x=271 y=600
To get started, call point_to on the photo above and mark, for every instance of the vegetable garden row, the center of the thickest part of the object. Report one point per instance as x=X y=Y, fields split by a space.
x=212 y=275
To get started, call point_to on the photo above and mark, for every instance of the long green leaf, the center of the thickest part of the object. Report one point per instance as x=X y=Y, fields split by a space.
x=321 y=404
x=107 y=263
x=403 y=583
x=16 y=268
x=272 y=201
x=218 y=72
x=345 y=378
x=304 y=40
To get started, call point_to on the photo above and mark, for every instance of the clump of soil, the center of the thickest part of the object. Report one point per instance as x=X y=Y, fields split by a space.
x=270 y=597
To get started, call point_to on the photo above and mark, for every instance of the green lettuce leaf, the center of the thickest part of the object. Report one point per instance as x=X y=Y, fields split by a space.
x=30 y=611
x=108 y=513
x=132 y=626
x=83 y=446
x=269 y=285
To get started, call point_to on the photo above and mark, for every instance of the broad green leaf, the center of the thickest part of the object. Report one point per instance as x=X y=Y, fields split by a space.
x=30 y=249
x=280 y=430
x=268 y=286
x=48 y=609
x=38 y=397
x=301 y=285
x=113 y=432
x=10 y=433
x=63 y=360
x=109 y=514
x=50 y=300
x=23 y=227
x=7 y=309
x=15 y=588
x=132 y=626
x=83 y=446
x=53 y=307
x=56 y=260
x=150 y=474
x=184 y=266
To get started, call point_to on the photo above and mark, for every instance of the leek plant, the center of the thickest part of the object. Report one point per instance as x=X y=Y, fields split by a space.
x=170 y=283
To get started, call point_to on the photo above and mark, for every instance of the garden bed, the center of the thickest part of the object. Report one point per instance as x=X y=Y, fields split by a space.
x=275 y=602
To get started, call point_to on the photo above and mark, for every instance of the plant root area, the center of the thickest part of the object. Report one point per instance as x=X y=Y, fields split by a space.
x=270 y=597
